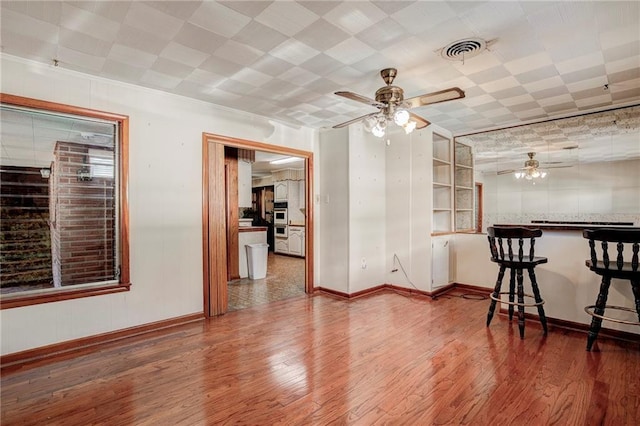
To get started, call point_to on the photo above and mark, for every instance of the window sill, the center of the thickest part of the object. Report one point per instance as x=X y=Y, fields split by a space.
x=9 y=301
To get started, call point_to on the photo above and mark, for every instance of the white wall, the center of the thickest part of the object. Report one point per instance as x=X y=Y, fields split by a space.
x=566 y=284
x=409 y=176
x=375 y=200
x=165 y=193
x=332 y=207
x=367 y=214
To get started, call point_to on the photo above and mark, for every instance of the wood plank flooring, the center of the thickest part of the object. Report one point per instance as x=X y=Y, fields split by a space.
x=381 y=359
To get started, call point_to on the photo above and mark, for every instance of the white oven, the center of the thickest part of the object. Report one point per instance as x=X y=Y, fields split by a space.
x=280 y=216
x=281 y=231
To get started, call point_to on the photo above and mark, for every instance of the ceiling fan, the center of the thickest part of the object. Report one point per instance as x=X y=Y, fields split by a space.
x=393 y=107
x=532 y=169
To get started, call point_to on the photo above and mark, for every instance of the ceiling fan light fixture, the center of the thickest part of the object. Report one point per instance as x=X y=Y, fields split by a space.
x=393 y=107
x=369 y=123
x=531 y=169
x=401 y=117
x=378 y=130
x=409 y=127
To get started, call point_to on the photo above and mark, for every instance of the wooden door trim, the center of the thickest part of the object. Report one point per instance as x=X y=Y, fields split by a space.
x=478 y=212
x=214 y=247
x=231 y=208
x=213 y=205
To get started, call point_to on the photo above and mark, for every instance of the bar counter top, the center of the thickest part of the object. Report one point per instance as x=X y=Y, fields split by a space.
x=546 y=225
x=252 y=228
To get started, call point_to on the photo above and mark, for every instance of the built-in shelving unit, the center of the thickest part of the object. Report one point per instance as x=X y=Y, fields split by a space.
x=464 y=188
x=442 y=185
x=443 y=212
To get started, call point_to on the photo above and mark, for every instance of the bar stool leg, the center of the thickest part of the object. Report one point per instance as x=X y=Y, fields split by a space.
x=512 y=292
x=635 y=285
x=596 y=322
x=520 y=302
x=536 y=296
x=496 y=294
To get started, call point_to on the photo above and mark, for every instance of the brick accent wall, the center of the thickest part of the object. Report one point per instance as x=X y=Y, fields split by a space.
x=25 y=249
x=83 y=220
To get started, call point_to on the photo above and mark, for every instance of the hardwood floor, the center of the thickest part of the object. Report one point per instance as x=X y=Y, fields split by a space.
x=380 y=359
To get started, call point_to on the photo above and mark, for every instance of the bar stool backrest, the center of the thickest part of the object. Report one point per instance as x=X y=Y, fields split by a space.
x=624 y=239
x=525 y=237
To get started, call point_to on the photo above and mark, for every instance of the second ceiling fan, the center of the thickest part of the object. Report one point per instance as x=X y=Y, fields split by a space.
x=532 y=168
x=393 y=107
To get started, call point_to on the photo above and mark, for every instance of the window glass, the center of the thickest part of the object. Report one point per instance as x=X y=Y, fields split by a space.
x=59 y=203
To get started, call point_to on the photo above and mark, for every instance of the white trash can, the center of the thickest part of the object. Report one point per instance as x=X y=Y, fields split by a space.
x=257 y=260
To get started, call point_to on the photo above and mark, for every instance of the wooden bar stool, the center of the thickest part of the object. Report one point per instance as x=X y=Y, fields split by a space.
x=625 y=241
x=516 y=263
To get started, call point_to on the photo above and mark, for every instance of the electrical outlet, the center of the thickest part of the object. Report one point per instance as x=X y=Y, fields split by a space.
x=364 y=263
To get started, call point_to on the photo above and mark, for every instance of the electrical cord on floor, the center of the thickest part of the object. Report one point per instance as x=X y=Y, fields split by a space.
x=467 y=296
x=403 y=294
x=396 y=258
x=473 y=296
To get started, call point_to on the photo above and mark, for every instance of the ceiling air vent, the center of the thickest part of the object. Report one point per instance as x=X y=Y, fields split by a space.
x=463 y=49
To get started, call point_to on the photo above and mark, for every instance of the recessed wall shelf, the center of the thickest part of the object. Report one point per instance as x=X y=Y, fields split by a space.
x=442 y=185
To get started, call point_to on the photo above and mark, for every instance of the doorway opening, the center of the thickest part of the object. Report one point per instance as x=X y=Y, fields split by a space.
x=284 y=279
x=225 y=207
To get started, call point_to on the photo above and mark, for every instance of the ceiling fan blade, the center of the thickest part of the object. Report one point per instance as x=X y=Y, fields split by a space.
x=355 y=120
x=360 y=98
x=435 y=97
x=421 y=123
x=505 y=172
x=563 y=166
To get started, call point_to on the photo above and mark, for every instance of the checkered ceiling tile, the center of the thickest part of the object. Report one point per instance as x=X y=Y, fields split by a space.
x=284 y=59
x=602 y=136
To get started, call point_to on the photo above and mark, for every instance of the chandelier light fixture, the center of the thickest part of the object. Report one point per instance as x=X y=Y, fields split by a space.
x=530 y=174
x=531 y=169
x=377 y=124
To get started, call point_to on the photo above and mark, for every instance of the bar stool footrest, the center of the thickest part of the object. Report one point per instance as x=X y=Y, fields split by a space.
x=589 y=310
x=506 y=293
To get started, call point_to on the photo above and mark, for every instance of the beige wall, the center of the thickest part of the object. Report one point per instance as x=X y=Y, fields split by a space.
x=165 y=194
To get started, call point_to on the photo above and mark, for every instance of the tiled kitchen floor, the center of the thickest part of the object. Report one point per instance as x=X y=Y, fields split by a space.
x=285 y=278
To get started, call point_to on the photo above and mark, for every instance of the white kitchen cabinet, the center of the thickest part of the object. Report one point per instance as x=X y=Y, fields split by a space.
x=296 y=240
x=441 y=273
x=245 y=197
x=302 y=189
x=281 y=191
x=292 y=202
x=282 y=245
